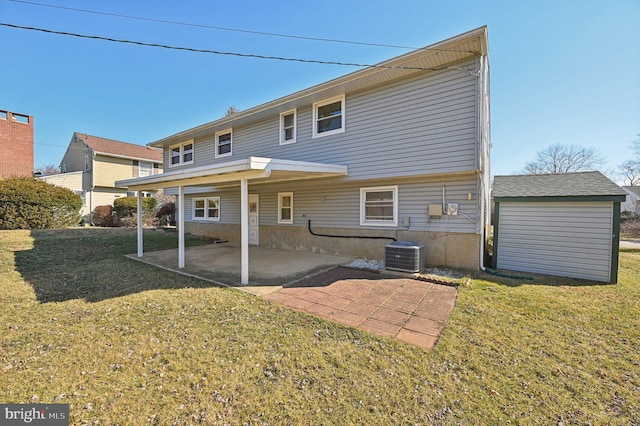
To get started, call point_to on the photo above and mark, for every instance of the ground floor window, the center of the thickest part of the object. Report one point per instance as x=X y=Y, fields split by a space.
x=379 y=206
x=285 y=207
x=206 y=208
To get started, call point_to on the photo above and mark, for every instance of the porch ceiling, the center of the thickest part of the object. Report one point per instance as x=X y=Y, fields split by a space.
x=256 y=169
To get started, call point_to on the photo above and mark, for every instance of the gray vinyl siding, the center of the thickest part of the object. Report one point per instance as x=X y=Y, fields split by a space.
x=423 y=125
x=566 y=239
x=329 y=204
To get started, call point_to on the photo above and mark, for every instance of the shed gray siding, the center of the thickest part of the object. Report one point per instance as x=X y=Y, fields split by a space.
x=570 y=239
x=423 y=125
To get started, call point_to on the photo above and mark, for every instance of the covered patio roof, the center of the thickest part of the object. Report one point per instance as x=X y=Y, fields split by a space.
x=253 y=168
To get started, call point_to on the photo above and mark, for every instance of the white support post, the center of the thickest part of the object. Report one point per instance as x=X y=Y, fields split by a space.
x=180 y=226
x=139 y=227
x=244 y=231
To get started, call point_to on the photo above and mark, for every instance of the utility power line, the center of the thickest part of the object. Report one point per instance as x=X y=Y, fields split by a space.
x=215 y=52
x=164 y=21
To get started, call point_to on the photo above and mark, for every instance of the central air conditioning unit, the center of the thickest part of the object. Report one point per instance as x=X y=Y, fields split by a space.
x=404 y=256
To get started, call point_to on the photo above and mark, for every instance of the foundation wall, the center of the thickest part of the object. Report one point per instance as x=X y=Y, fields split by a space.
x=454 y=250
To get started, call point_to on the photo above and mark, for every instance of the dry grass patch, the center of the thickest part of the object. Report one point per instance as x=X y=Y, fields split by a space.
x=125 y=343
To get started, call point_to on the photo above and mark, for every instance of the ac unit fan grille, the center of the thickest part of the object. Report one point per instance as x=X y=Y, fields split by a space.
x=404 y=256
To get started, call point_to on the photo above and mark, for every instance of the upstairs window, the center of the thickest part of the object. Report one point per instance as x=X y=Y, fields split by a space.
x=224 y=140
x=285 y=207
x=328 y=117
x=379 y=206
x=206 y=209
x=181 y=154
x=288 y=127
x=145 y=169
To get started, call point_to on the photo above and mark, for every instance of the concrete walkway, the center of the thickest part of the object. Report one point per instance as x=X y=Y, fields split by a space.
x=630 y=245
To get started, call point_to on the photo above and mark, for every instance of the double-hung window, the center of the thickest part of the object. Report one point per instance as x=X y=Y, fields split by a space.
x=285 y=207
x=328 y=117
x=145 y=168
x=379 y=206
x=224 y=140
x=206 y=209
x=181 y=154
x=288 y=127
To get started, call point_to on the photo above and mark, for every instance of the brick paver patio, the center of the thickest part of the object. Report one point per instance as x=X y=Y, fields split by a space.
x=405 y=309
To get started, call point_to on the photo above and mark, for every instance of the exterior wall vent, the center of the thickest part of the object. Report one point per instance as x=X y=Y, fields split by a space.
x=404 y=256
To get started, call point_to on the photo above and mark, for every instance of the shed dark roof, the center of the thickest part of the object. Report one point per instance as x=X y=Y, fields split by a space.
x=580 y=184
x=110 y=146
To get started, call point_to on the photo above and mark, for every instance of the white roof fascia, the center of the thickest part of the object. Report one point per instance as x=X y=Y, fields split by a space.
x=126 y=157
x=251 y=168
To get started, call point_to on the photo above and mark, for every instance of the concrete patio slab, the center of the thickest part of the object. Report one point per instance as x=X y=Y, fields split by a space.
x=220 y=264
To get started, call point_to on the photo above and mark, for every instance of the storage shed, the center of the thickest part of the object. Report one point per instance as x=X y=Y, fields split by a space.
x=558 y=224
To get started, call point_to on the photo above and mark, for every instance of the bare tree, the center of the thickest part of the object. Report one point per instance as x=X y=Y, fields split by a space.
x=47 y=170
x=231 y=110
x=630 y=171
x=564 y=159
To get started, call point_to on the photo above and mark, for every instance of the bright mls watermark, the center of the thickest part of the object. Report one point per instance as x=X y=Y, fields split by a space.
x=34 y=414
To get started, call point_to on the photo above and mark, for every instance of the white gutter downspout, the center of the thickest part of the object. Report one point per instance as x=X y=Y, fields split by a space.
x=480 y=160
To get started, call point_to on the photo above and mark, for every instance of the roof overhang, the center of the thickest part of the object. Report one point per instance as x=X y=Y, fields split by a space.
x=437 y=57
x=256 y=169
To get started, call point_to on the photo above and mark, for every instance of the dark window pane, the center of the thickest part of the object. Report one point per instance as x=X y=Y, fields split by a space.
x=330 y=110
x=329 y=124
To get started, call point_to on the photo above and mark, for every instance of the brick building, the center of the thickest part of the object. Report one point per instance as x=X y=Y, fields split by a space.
x=16 y=144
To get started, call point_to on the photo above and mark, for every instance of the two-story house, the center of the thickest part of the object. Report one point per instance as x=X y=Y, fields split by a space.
x=92 y=165
x=398 y=150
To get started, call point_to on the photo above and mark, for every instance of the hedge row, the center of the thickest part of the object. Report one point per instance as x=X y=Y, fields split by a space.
x=29 y=203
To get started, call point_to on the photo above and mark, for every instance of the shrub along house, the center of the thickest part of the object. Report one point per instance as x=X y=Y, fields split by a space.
x=399 y=150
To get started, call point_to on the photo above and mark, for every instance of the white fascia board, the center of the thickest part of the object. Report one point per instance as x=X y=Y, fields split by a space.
x=127 y=157
x=251 y=168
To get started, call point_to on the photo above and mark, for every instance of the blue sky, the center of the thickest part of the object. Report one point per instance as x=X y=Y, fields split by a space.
x=562 y=71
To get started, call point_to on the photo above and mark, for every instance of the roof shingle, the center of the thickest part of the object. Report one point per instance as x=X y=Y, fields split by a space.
x=579 y=184
x=110 y=146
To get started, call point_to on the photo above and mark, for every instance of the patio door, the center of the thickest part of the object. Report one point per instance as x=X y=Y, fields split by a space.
x=254 y=219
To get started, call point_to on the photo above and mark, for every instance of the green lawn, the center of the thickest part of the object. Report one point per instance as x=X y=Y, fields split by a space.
x=125 y=343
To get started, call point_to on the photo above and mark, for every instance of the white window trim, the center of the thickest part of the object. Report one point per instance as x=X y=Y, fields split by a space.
x=182 y=145
x=223 y=132
x=317 y=105
x=363 y=218
x=281 y=195
x=295 y=127
x=206 y=218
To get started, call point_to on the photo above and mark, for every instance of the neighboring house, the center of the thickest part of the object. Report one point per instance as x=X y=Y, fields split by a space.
x=632 y=204
x=16 y=144
x=558 y=224
x=399 y=150
x=91 y=165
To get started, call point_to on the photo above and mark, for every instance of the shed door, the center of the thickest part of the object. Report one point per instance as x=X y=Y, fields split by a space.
x=566 y=239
